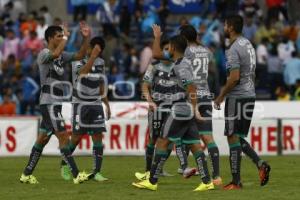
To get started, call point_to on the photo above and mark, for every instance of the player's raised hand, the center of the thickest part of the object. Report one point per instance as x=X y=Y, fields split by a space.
x=85 y=29
x=65 y=28
x=96 y=51
x=156 y=31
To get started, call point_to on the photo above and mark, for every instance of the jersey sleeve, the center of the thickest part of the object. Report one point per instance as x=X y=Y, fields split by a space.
x=149 y=75
x=233 y=61
x=45 y=56
x=184 y=72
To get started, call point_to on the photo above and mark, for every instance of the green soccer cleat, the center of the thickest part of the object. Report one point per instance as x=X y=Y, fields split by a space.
x=145 y=185
x=65 y=172
x=98 y=177
x=204 y=187
x=30 y=179
x=142 y=176
x=81 y=177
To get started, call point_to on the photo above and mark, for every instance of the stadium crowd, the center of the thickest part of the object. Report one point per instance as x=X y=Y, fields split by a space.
x=274 y=30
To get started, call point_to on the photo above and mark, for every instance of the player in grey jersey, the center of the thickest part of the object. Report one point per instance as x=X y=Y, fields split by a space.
x=201 y=60
x=51 y=62
x=240 y=99
x=180 y=123
x=159 y=89
x=89 y=91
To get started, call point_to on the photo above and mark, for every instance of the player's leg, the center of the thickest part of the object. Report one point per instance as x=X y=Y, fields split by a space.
x=98 y=157
x=206 y=134
x=233 y=138
x=45 y=132
x=263 y=167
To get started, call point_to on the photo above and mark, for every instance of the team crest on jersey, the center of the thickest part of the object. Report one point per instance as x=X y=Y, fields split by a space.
x=58 y=66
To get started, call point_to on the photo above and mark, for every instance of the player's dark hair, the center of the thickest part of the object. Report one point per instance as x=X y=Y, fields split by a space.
x=189 y=32
x=236 y=22
x=97 y=40
x=179 y=42
x=51 y=31
x=164 y=40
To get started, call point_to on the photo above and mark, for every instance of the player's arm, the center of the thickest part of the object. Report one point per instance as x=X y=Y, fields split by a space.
x=103 y=94
x=231 y=82
x=147 y=87
x=86 y=33
x=157 y=52
x=191 y=90
x=88 y=66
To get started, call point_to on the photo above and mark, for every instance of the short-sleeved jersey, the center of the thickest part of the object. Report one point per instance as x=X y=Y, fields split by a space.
x=200 y=58
x=164 y=87
x=52 y=75
x=241 y=55
x=86 y=88
x=184 y=76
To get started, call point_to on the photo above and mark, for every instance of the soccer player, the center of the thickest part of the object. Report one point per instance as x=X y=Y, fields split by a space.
x=89 y=92
x=180 y=123
x=157 y=87
x=201 y=59
x=51 y=61
x=240 y=99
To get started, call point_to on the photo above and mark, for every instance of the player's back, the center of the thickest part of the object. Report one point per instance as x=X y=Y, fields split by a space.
x=200 y=58
x=241 y=55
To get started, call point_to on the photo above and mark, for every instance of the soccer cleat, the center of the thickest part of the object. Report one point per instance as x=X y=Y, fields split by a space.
x=65 y=172
x=217 y=181
x=98 y=177
x=30 y=179
x=81 y=177
x=142 y=176
x=204 y=187
x=233 y=186
x=188 y=172
x=264 y=172
x=145 y=185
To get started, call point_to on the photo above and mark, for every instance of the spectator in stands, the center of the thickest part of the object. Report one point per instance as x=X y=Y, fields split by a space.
x=41 y=28
x=250 y=8
x=33 y=44
x=1 y=60
x=10 y=45
x=30 y=24
x=292 y=71
x=163 y=13
x=46 y=15
x=275 y=7
x=297 y=91
x=80 y=9
x=291 y=31
x=285 y=49
x=11 y=66
x=7 y=107
x=125 y=20
x=262 y=59
x=29 y=94
x=109 y=17
x=57 y=21
x=249 y=29
x=275 y=70
x=282 y=94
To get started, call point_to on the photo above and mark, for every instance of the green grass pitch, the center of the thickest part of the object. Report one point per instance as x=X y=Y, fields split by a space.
x=284 y=182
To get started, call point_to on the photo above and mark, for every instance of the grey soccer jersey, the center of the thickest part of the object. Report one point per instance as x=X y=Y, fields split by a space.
x=164 y=85
x=86 y=88
x=241 y=55
x=184 y=76
x=200 y=58
x=51 y=75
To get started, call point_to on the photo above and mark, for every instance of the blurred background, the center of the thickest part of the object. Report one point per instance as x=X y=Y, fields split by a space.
x=271 y=25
